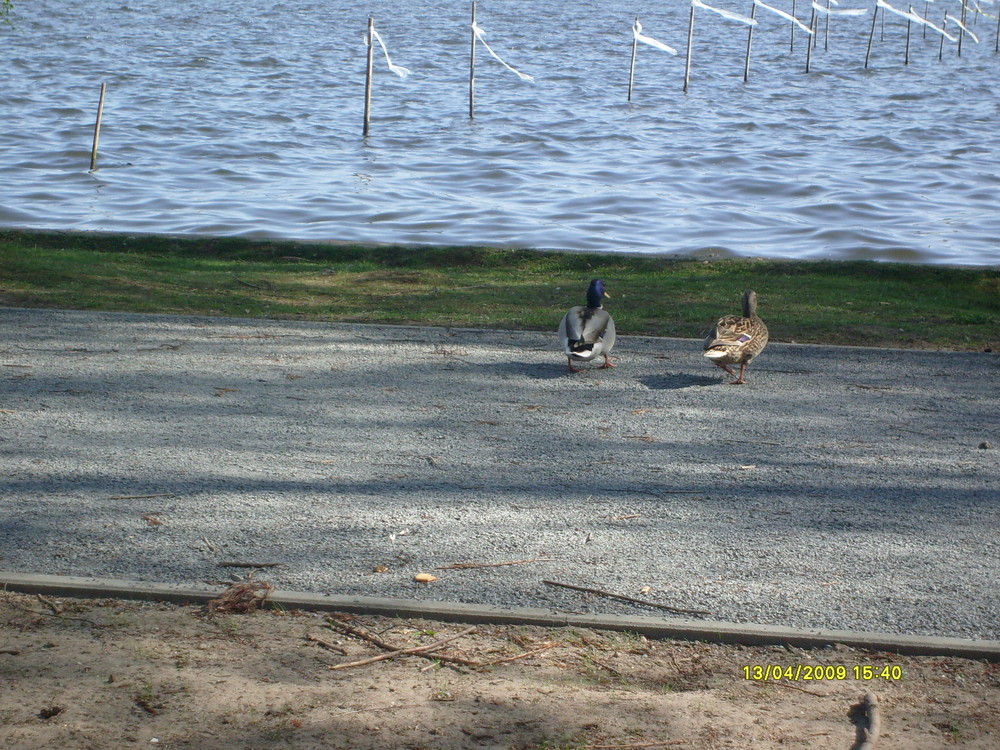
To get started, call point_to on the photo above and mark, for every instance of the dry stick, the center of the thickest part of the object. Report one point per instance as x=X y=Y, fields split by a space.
x=631 y=71
x=687 y=64
x=623 y=597
x=325 y=644
x=871 y=37
x=368 y=75
x=746 y=66
x=248 y=565
x=376 y=641
x=14 y=604
x=418 y=650
x=874 y=728
x=97 y=127
x=472 y=67
x=468 y=566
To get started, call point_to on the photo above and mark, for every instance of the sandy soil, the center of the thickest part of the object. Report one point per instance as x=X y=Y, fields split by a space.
x=111 y=674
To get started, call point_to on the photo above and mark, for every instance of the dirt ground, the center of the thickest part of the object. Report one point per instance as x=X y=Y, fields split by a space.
x=111 y=674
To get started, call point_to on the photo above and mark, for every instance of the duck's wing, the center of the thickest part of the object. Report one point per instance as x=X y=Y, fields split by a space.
x=583 y=328
x=730 y=331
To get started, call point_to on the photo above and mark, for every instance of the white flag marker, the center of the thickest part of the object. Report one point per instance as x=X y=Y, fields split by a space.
x=639 y=36
x=397 y=69
x=846 y=12
x=725 y=13
x=479 y=35
x=786 y=16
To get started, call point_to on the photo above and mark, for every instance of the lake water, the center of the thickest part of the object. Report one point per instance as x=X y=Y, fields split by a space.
x=246 y=119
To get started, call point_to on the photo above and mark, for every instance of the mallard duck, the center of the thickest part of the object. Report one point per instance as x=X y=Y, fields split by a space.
x=587 y=332
x=736 y=340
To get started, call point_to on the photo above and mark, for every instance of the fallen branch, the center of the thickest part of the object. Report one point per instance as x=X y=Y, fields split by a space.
x=11 y=602
x=623 y=597
x=469 y=566
x=417 y=650
x=869 y=733
x=325 y=644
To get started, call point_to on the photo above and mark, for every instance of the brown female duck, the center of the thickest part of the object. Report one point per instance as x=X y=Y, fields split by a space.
x=736 y=340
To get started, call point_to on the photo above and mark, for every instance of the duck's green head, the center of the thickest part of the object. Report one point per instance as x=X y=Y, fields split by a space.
x=595 y=293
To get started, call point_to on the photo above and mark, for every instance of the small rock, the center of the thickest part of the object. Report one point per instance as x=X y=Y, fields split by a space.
x=985 y=445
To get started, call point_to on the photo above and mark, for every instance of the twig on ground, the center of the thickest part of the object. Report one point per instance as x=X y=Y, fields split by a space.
x=418 y=650
x=248 y=565
x=325 y=644
x=7 y=598
x=623 y=597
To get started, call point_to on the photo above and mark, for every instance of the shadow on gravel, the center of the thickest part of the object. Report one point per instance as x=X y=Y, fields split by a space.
x=674 y=382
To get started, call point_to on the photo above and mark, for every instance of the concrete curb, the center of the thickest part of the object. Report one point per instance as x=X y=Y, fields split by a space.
x=652 y=627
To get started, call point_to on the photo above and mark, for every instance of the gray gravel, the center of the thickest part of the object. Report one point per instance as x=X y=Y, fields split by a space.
x=841 y=488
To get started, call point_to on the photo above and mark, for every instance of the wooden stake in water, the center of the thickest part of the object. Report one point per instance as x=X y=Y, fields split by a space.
x=906 y=55
x=996 y=44
x=687 y=64
x=631 y=72
x=746 y=66
x=368 y=75
x=472 y=67
x=810 y=43
x=826 y=29
x=871 y=37
x=961 y=31
x=97 y=127
x=944 y=26
x=927 y=17
x=791 y=24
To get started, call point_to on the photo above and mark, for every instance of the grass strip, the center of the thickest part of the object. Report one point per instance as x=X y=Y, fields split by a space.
x=860 y=303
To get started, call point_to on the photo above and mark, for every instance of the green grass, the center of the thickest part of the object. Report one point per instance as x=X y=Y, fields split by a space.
x=854 y=302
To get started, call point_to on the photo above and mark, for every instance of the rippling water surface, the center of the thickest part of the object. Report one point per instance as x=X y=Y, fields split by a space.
x=246 y=119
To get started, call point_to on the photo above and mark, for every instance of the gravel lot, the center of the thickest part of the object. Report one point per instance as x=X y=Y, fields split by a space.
x=840 y=488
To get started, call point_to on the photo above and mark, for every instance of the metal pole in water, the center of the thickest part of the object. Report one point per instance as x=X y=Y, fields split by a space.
x=472 y=67
x=996 y=45
x=97 y=127
x=368 y=75
x=746 y=66
x=631 y=72
x=687 y=64
x=871 y=37
x=927 y=17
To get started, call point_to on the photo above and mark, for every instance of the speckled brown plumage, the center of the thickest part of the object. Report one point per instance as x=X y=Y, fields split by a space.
x=737 y=339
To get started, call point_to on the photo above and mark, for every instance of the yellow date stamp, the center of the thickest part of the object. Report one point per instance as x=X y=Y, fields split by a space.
x=822 y=672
